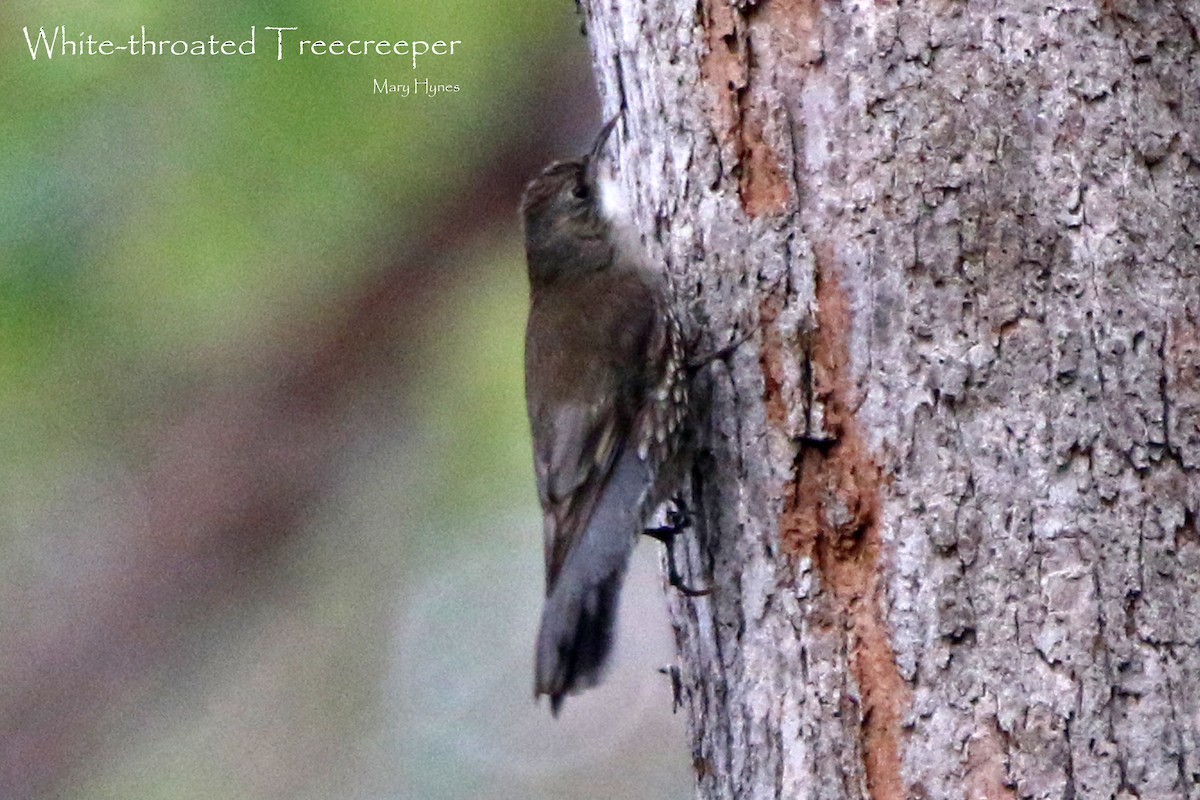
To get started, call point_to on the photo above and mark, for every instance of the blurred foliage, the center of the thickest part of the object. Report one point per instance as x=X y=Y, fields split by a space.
x=162 y=211
x=167 y=221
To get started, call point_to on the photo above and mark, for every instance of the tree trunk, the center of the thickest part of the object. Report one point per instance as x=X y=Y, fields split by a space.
x=948 y=492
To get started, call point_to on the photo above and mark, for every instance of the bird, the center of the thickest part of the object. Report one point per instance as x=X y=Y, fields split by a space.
x=606 y=389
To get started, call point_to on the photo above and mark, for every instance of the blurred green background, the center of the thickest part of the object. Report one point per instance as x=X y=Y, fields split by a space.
x=267 y=524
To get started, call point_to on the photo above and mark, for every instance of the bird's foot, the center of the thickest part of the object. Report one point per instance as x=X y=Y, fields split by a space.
x=678 y=520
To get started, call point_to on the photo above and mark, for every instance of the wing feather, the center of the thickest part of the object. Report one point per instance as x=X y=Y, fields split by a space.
x=584 y=392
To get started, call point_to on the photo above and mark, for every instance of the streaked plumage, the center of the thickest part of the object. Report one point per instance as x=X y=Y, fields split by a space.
x=606 y=390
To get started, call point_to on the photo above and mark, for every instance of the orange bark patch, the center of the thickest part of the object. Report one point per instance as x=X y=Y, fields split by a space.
x=763 y=186
x=724 y=65
x=731 y=68
x=831 y=514
x=793 y=27
x=774 y=378
x=985 y=765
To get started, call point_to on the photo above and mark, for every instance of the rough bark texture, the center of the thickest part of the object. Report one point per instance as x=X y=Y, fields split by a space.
x=950 y=494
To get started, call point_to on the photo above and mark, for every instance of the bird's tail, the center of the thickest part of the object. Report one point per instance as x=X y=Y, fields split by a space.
x=576 y=637
x=581 y=608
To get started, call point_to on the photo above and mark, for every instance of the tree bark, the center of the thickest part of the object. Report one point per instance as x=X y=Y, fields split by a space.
x=948 y=493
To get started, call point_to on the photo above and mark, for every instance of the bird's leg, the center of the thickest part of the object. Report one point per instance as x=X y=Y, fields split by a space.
x=672 y=672
x=678 y=520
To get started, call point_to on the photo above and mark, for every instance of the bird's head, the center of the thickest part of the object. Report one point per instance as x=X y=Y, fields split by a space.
x=566 y=230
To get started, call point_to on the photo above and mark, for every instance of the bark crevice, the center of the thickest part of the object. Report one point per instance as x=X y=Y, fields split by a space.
x=951 y=488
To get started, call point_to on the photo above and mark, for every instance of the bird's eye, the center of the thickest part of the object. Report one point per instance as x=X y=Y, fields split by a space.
x=581 y=191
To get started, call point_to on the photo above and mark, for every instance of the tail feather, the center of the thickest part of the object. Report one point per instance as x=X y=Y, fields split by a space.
x=576 y=637
x=580 y=613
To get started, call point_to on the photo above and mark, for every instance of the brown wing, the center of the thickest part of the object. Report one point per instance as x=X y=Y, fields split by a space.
x=581 y=448
x=585 y=384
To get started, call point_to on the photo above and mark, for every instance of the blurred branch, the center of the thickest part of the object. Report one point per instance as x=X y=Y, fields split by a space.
x=234 y=476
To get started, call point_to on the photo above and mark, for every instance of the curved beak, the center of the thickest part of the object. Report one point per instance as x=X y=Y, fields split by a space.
x=602 y=136
x=598 y=146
